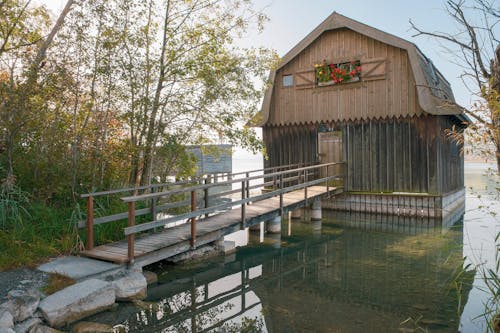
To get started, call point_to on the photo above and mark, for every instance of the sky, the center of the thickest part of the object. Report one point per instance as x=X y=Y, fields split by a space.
x=292 y=20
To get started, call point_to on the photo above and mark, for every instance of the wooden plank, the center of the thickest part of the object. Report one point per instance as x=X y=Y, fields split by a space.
x=148 y=245
x=105 y=256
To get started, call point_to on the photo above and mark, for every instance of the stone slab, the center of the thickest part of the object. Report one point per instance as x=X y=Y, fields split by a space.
x=77 y=301
x=79 y=268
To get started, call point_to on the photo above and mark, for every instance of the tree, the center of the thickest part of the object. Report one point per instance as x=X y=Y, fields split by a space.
x=476 y=48
x=193 y=84
x=23 y=49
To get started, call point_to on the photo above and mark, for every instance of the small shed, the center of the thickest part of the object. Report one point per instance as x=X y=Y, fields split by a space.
x=349 y=92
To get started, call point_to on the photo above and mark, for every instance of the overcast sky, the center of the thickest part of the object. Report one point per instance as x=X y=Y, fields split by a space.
x=292 y=20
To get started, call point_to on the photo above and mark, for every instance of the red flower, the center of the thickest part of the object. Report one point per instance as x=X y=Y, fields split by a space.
x=352 y=73
x=358 y=68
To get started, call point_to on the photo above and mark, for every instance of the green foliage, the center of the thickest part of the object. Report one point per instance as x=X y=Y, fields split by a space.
x=124 y=87
x=13 y=203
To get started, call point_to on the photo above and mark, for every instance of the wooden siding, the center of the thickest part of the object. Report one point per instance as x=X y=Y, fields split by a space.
x=290 y=145
x=450 y=158
x=392 y=94
x=389 y=155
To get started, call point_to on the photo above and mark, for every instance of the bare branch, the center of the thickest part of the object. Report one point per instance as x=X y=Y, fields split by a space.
x=477 y=117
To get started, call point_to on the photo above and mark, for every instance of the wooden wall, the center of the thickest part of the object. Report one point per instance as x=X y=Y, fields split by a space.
x=389 y=93
x=450 y=157
x=290 y=144
x=389 y=155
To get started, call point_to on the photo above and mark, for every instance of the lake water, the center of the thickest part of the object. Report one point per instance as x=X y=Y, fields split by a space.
x=346 y=273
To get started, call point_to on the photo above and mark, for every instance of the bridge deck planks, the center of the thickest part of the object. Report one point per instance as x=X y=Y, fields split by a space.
x=149 y=243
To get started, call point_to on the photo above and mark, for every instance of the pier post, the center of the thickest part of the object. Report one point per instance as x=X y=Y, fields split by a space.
x=274 y=225
x=316 y=210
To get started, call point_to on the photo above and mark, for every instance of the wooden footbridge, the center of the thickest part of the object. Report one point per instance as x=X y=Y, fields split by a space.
x=255 y=196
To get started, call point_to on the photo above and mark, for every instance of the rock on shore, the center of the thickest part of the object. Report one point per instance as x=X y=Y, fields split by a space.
x=77 y=301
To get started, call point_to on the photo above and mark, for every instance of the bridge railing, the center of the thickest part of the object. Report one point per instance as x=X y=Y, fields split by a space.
x=153 y=207
x=301 y=175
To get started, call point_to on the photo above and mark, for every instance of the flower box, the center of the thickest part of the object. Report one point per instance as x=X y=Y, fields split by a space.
x=330 y=74
x=331 y=83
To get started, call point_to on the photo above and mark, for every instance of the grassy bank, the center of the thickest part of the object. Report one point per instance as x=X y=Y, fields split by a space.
x=31 y=232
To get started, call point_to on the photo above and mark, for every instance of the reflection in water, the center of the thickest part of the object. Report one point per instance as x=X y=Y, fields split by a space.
x=331 y=276
x=347 y=273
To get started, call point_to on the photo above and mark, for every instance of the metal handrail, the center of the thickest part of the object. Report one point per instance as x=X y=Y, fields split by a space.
x=183 y=182
x=278 y=180
x=136 y=198
x=199 y=212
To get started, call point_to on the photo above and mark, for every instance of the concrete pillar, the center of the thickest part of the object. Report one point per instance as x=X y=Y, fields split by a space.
x=316 y=210
x=226 y=246
x=274 y=225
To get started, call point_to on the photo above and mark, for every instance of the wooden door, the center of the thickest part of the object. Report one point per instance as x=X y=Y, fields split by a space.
x=329 y=151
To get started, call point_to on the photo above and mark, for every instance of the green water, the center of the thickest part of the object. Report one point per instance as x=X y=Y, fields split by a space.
x=347 y=273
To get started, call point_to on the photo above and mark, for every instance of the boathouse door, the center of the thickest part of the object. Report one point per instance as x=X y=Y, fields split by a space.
x=330 y=150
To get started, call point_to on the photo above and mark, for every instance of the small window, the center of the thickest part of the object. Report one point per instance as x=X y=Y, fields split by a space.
x=288 y=80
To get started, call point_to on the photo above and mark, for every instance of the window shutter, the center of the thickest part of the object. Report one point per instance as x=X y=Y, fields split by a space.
x=373 y=69
x=305 y=79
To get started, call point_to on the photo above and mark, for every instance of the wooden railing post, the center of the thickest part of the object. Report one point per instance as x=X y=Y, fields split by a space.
x=274 y=179
x=248 y=185
x=193 y=219
x=153 y=205
x=281 y=195
x=131 y=237
x=243 y=211
x=305 y=187
x=205 y=193
x=90 y=223
x=327 y=182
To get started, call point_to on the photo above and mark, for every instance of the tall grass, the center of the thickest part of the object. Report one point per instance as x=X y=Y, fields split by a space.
x=13 y=203
x=32 y=231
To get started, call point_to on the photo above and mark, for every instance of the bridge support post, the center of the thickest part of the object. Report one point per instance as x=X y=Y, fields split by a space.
x=316 y=210
x=274 y=225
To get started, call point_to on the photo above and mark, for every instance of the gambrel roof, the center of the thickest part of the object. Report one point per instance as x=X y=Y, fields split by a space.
x=434 y=93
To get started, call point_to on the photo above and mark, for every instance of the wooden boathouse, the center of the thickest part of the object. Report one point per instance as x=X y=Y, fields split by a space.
x=349 y=92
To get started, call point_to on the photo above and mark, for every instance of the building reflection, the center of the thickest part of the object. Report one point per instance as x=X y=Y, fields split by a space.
x=360 y=274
